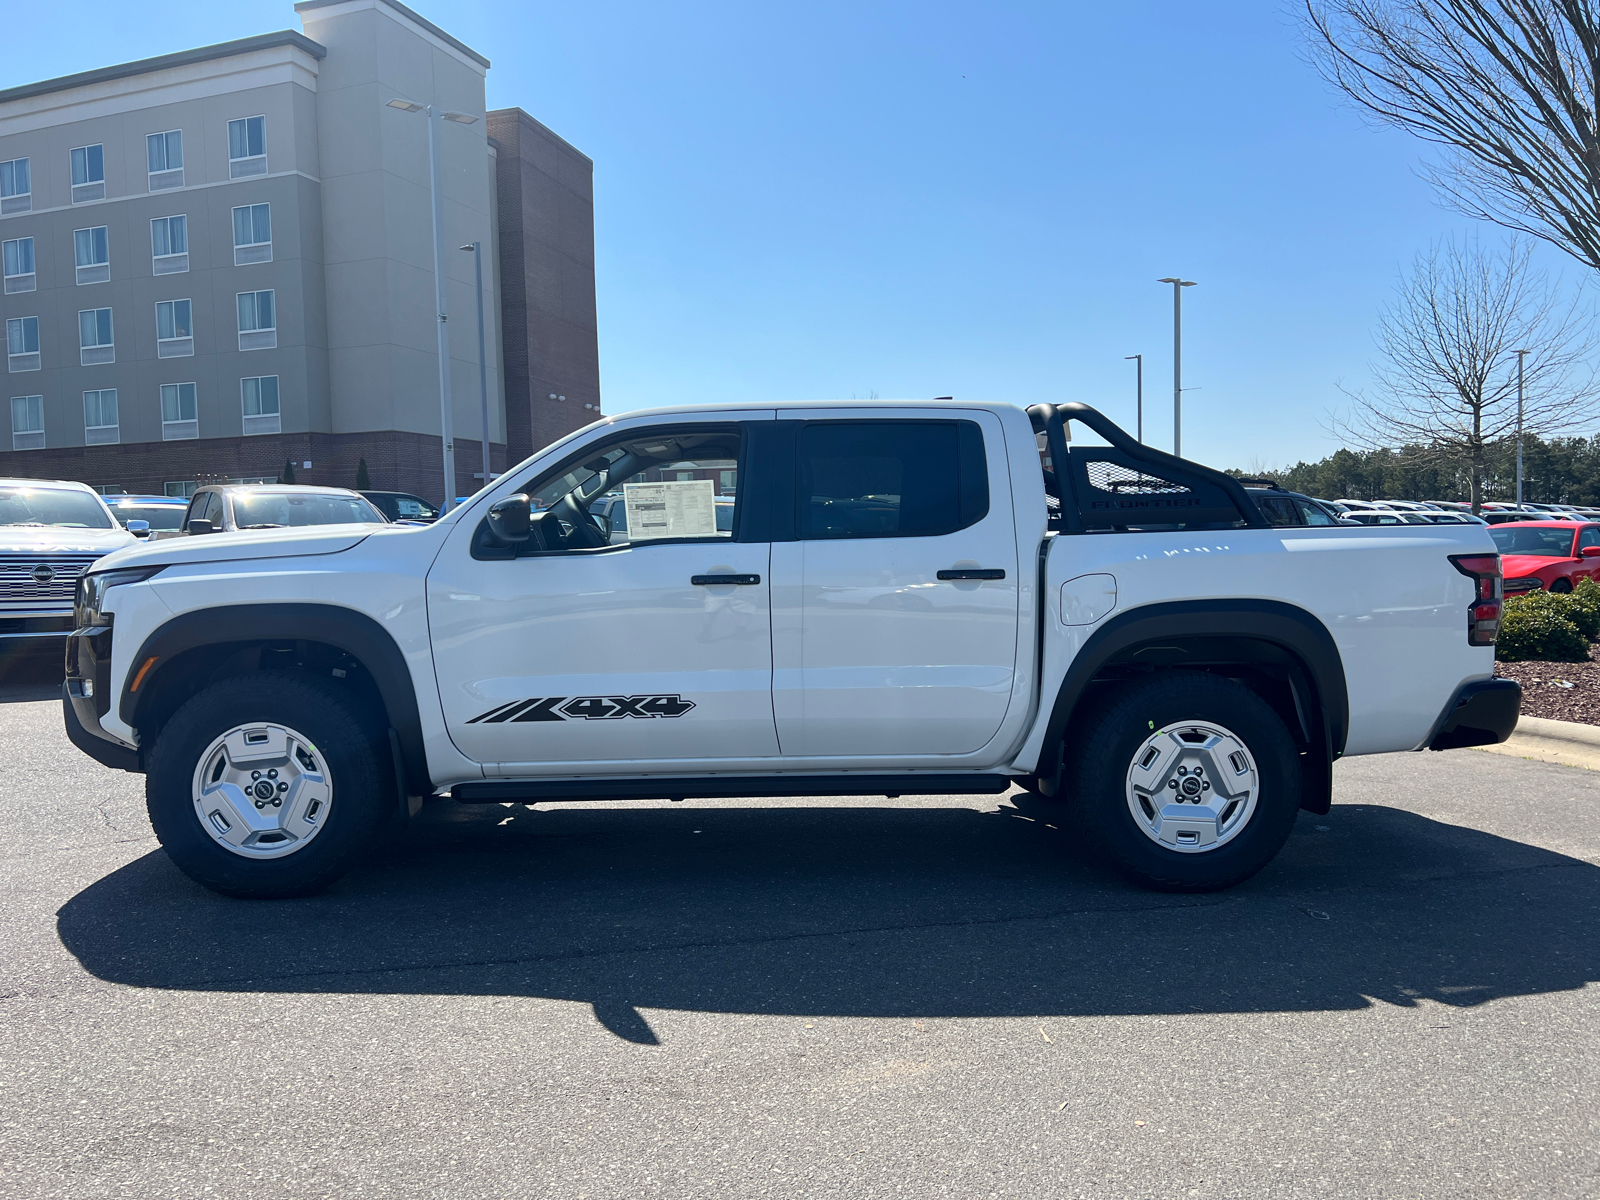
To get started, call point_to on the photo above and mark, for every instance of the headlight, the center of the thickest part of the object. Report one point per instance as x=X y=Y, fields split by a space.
x=92 y=594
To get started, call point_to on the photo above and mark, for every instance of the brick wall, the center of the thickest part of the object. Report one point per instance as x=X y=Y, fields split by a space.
x=547 y=294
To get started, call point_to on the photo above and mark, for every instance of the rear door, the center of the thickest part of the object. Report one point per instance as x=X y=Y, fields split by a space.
x=895 y=607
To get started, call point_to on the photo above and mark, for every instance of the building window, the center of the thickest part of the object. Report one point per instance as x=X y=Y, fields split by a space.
x=22 y=343
x=169 y=245
x=95 y=344
x=179 y=418
x=260 y=399
x=258 y=321
x=182 y=488
x=92 y=249
x=174 y=332
x=252 y=234
x=247 y=147
x=88 y=174
x=100 y=418
x=165 y=152
x=16 y=187
x=18 y=256
x=27 y=422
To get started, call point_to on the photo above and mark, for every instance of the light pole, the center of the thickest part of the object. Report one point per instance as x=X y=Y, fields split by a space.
x=436 y=191
x=1519 y=354
x=483 y=363
x=1177 y=360
x=1138 y=389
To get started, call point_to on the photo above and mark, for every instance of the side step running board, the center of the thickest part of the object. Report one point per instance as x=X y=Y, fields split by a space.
x=519 y=791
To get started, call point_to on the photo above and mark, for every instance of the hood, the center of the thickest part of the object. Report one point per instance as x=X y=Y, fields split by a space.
x=1513 y=566
x=47 y=539
x=251 y=544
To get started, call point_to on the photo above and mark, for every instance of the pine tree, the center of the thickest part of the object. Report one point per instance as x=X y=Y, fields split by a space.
x=288 y=472
x=363 y=479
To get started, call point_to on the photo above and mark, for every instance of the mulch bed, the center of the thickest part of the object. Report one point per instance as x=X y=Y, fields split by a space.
x=1558 y=691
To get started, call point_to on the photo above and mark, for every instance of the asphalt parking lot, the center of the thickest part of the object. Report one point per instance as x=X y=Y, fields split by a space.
x=868 y=998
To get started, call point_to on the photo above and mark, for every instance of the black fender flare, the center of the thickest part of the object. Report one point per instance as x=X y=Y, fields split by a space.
x=353 y=632
x=1292 y=629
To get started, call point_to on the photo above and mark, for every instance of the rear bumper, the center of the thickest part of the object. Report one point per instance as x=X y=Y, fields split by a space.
x=90 y=738
x=1482 y=714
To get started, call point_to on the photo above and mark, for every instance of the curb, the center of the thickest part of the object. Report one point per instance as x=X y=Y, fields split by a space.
x=1566 y=742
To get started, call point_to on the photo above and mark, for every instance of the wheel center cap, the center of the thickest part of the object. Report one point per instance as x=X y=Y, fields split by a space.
x=1190 y=786
x=264 y=790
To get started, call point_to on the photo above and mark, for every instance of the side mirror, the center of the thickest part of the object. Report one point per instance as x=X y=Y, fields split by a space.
x=511 y=520
x=139 y=528
x=198 y=527
x=604 y=522
x=1589 y=552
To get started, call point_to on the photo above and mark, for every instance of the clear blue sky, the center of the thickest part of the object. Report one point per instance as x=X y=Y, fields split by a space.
x=919 y=199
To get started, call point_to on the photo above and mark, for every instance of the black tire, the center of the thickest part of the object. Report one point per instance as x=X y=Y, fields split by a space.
x=358 y=762
x=1101 y=752
x=1561 y=586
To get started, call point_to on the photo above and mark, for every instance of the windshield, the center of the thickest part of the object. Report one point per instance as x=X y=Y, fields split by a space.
x=275 y=510
x=52 y=506
x=1541 y=543
x=160 y=516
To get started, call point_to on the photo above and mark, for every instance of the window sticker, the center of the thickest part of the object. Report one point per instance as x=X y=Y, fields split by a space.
x=683 y=509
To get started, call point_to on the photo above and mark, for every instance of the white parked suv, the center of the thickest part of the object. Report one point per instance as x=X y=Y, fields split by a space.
x=51 y=531
x=914 y=597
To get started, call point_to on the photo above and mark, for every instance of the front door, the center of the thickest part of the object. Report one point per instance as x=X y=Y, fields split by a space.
x=585 y=654
x=895 y=611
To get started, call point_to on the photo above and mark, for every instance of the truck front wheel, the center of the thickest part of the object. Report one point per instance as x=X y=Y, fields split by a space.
x=1187 y=780
x=268 y=785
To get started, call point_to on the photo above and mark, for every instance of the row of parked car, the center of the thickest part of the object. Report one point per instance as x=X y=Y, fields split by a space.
x=220 y=508
x=1413 y=512
x=1283 y=507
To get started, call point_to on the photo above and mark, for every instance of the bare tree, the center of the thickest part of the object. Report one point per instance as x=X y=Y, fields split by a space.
x=1507 y=86
x=1447 y=379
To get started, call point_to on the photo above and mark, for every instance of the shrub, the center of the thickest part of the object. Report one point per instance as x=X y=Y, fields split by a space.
x=1540 y=626
x=1583 y=608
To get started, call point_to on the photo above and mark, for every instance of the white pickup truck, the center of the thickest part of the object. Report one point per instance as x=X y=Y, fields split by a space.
x=911 y=597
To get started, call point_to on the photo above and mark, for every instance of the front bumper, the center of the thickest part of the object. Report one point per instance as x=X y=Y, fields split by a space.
x=93 y=740
x=1482 y=714
x=87 y=690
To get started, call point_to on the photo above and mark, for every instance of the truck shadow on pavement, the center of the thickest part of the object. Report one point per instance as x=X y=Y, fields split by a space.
x=867 y=911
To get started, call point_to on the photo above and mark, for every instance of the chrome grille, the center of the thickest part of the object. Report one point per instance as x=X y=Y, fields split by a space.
x=23 y=577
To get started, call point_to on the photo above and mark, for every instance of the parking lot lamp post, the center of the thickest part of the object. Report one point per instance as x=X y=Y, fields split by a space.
x=436 y=115
x=483 y=363
x=1519 y=354
x=1177 y=360
x=1138 y=366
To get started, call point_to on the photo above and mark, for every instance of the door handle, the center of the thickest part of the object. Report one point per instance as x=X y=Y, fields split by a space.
x=973 y=573
x=711 y=580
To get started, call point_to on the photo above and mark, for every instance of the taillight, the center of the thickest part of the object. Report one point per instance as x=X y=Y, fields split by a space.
x=1483 y=614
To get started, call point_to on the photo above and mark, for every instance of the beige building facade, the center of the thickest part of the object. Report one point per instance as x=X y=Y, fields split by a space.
x=221 y=261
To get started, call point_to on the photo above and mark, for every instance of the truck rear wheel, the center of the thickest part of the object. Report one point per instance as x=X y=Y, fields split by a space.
x=1187 y=780
x=268 y=785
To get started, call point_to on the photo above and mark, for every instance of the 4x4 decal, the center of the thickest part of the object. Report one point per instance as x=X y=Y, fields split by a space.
x=588 y=708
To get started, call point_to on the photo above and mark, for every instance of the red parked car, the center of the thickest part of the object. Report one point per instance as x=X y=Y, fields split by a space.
x=1547 y=555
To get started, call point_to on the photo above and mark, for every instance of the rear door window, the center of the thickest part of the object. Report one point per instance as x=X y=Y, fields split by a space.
x=882 y=479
